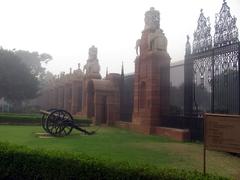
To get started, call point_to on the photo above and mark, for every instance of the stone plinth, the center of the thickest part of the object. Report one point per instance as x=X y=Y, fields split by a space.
x=176 y=134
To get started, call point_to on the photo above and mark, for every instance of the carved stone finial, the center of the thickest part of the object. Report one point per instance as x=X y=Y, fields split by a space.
x=152 y=19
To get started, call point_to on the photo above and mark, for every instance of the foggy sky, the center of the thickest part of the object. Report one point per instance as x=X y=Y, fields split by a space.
x=67 y=28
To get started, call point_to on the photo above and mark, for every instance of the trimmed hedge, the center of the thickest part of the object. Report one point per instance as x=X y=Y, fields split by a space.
x=33 y=119
x=20 y=119
x=18 y=162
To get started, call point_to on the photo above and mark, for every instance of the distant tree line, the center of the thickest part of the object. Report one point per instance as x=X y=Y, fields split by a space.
x=21 y=74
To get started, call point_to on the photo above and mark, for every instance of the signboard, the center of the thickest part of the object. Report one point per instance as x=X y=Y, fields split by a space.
x=222 y=132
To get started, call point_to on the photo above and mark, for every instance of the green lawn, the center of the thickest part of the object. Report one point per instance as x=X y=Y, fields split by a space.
x=122 y=145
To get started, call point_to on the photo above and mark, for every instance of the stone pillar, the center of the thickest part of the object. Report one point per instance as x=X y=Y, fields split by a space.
x=84 y=98
x=152 y=78
x=55 y=96
x=51 y=98
x=151 y=90
x=44 y=99
x=76 y=100
x=47 y=99
x=113 y=98
x=67 y=97
x=85 y=93
x=113 y=107
x=60 y=97
x=188 y=81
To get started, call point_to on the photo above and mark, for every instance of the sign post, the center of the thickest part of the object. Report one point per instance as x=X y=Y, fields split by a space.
x=221 y=133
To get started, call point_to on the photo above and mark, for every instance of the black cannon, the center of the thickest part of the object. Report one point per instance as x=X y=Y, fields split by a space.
x=58 y=122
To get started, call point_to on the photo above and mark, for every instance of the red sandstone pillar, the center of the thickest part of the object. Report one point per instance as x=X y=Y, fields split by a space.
x=84 y=97
x=55 y=104
x=75 y=97
x=48 y=99
x=51 y=98
x=67 y=95
x=60 y=97
x=151 y=80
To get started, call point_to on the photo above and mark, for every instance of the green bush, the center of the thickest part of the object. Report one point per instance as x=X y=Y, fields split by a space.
x=18 y=119
x=34 y=119
x=18 y=162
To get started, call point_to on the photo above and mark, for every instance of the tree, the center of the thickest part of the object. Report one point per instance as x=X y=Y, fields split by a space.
x=17 y=83
x=34 y=61
x=47 y=79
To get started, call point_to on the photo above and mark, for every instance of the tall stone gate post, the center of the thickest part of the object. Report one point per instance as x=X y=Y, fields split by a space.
x=91 y=71
x=188 y=81
x=152 y=76
x=76 y=105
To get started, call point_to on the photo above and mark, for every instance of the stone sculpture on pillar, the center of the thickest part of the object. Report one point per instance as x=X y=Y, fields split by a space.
x=91 y=71
x=92 y=68
x=77 y=78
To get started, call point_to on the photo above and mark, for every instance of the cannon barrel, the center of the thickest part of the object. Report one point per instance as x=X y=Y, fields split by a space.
x=45 y=112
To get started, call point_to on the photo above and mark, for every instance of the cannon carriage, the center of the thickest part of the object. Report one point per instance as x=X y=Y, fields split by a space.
x=58 y=122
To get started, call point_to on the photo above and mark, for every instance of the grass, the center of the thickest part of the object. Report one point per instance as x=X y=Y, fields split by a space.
x=122 y=145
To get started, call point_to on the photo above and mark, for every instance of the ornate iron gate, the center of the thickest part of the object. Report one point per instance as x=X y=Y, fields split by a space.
x=211 y=69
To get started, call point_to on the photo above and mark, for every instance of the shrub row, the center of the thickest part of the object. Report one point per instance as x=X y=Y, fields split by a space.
x=31 y=119
x=18 y=162
x=20 y=119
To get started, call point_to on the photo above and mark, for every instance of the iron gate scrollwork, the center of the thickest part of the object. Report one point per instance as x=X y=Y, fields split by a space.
x=212 y=67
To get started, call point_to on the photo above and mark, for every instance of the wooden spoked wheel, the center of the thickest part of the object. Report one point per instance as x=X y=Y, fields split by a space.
x=44 y=118
x=58 y=123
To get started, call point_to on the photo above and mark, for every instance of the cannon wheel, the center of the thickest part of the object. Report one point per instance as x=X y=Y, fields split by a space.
x=44 y=118
x=58 y=123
